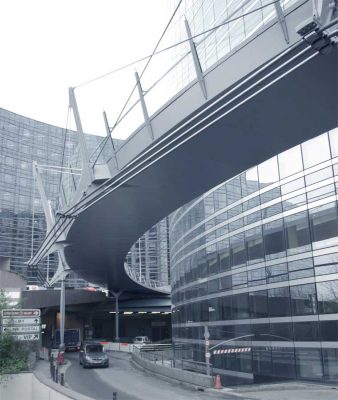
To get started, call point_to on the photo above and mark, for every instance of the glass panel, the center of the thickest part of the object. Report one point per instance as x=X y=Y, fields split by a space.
x=292 y=186
x=256 y=277
x=240 y=306
x=254 y=244
x=268 y=172
x=324 y=225
x=279 y=302
x=327 y=293
x=283 y=363
x=277 y=273
x=240 y=280
x=274 y=239
x=309 y=364
x=290 y=162
x=258 y=304
x=294 y=202
x=329 y=331
x=249 y=181
x=316 y=150
x=318 y=176
x=321 y=193
x=303 y=299
x=238 y=249
x=224 y=254
x=330 y=361
x=297 y=233
x=306 y=331
x=334 y=142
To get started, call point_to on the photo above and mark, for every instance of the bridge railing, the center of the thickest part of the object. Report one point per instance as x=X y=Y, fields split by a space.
x=213 y=31
x=147 y=282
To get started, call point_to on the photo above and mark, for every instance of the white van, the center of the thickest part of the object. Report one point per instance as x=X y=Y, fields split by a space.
x=141 y=340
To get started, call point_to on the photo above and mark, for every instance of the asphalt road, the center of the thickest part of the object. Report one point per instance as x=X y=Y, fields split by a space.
x=129 y=382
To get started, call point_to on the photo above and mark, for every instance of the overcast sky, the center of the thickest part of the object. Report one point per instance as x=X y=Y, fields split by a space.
x=50 y=45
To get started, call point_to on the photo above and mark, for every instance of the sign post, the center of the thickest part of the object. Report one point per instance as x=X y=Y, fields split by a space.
x=23 y=325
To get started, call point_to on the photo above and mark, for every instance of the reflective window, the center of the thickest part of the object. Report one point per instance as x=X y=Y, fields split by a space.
x=240 y=306
x=279 y=302
x=318 y=176
x=280 y=331
x=309 y=364
x=270 y=195
x=292 y=186
x=297 y=233
x=327 y=293
x=324 y=224
x=329 y=331
x=283 y=362
x=237 y=245
x=316 y=150
x=277 y=273
x=290 y=162
x=256 y=277
x=249 y=181
x=300 y=268
x=274 y=240
x=306 y=331
x=334 y=142
x=294 y=202
x=258 y=304
x=224 y=254
x=330 y=362
x=240 y=280
x=254 y=244
x=320 y=193
x=268 y=172
x=303 y=299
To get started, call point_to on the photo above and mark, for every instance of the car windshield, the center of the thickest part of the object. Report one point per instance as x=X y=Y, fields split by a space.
x=94 y=348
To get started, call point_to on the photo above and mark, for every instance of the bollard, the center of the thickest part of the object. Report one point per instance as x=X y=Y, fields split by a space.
x=114 y=395
x=56 y=375
x=62 y=379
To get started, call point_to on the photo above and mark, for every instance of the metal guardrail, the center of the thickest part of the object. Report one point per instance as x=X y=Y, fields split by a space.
x=163 y=354
x=149 y=283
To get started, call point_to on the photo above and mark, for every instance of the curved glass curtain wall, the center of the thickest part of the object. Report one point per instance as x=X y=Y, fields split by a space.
x=257 y=257
x=147 y=262
x=22 y=220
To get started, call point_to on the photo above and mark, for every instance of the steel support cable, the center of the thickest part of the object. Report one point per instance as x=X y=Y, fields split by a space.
x=77 y=208
x=135 y=85
x=174 y=45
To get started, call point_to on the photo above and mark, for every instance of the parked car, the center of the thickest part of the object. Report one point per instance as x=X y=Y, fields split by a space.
x=92 y=354
x=141 y=340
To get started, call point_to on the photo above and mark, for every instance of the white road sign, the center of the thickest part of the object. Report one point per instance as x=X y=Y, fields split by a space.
x=25 y=312
x=21 y=321
x=27 y=337
x=22 y=328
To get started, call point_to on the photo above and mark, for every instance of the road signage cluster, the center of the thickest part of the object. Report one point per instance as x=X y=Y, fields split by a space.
x=23 y=325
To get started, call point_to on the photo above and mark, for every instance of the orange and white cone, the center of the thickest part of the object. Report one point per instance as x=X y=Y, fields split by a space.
x=218 y=384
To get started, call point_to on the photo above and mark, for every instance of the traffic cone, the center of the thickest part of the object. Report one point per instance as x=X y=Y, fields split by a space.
x=218 y=384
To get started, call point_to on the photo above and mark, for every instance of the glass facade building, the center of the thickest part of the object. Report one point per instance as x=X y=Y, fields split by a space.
x=254 y=262
x=149 y=259
x=22 y=221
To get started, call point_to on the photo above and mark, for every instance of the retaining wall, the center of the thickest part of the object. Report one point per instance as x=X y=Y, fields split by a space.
x=179 y=375
x=27 y=386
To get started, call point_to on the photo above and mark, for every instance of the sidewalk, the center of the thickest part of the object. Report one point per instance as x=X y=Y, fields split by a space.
x=281 y=391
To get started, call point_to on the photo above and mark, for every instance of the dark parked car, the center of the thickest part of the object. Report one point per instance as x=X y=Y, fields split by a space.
x=92 y=354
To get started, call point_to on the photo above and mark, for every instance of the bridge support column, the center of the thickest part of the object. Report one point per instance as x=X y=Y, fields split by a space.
x=117 y=319
x=144 y=106
x=196 y=60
